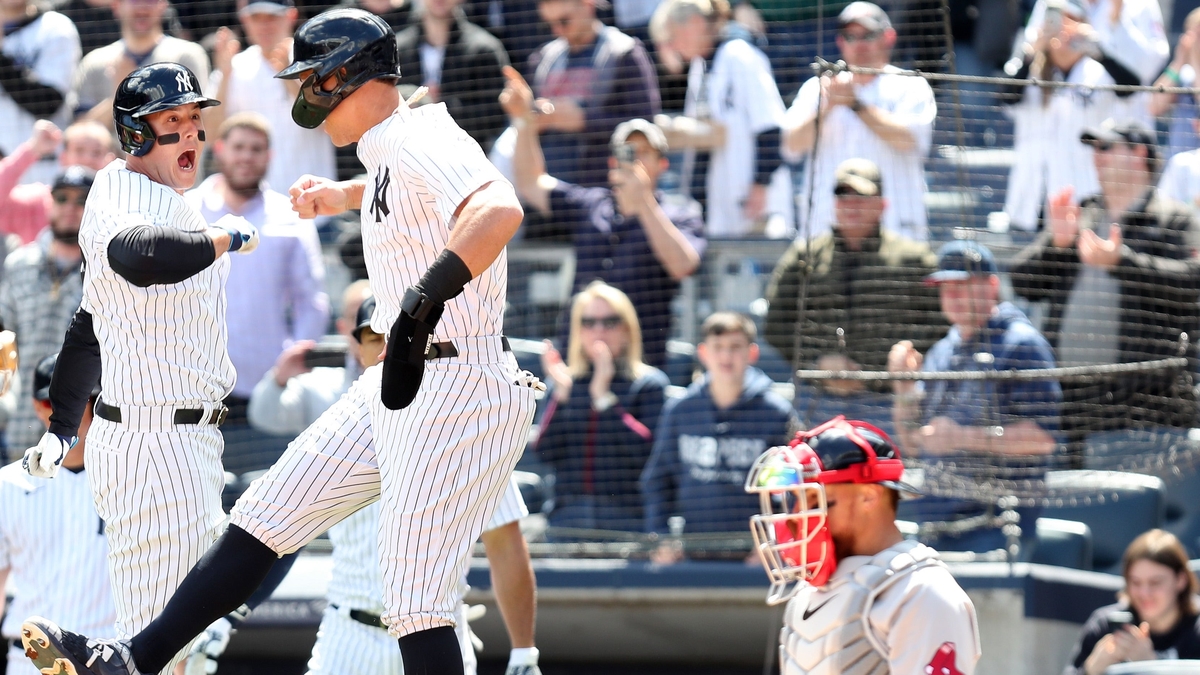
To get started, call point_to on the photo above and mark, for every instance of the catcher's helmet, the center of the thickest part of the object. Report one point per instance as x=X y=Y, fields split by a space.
x=151 y=89
x=351 y=45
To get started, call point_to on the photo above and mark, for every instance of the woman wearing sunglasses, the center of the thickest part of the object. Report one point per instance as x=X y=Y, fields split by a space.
x=604 y=402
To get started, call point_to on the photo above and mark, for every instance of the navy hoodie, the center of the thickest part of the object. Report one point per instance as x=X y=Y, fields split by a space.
x=701 y=456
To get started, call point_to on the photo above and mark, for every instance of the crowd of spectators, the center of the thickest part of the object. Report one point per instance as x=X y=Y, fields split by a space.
x=639 y=133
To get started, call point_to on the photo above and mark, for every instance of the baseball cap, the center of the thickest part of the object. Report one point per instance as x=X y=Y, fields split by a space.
x=861 y=176
x=266 y=7
x=363 y=319
x=963 y=259
x=42 y=375
x=866 y=14
x=1118 y=131
x=654 y=136
x=79 y=177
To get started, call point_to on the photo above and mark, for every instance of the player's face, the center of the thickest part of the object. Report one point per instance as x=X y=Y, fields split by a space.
x=865 y=48
x=600 y=323
x=1153 y=589
x=726 y=357
x=176 y=164
x=370 y=349
x=66 y=212
x=840 y=501
x=968 y=303
x=140 y=17
x=89 y=149
x=243 y=156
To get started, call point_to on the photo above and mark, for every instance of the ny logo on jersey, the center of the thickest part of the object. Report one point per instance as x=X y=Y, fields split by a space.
x=379 y=205
x=184 y=83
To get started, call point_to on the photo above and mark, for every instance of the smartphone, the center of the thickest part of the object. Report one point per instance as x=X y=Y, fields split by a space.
x=325 y=356
x=624 y=154
x=1053 y=20
x=1118 y=620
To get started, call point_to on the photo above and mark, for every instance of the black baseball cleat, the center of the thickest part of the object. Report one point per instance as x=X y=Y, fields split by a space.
x=55 y=651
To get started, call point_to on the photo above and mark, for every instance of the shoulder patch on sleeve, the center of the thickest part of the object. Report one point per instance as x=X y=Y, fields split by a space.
x=944 y=661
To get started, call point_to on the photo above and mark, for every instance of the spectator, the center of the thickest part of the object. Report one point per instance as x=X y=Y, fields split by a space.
x=631 y=235
x=292 y=395
x=886 y=118
x=460 y=63
x=1127 y=35
x=1007 y=424
x=515 y=22
x=1123 y=299
x=284 y=299
x=1180 y=109
x=598 y=437
x=1156 y=616
x=397 y=13
x=37 y=565
x=840 y=301
x=733 y=113
x=41 y=290
x=24 y=208
x=1047 y=121
x=707 y=440
x=589 y=79
x=142 y=43
x=38 y=55
x=96 y=18
x=245 y=81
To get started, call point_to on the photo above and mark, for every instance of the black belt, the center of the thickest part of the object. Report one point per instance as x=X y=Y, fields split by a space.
x=182 y=415
x=366 y=618
x=446 y=350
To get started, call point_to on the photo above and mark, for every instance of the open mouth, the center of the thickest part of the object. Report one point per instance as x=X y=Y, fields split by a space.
x=187 y=160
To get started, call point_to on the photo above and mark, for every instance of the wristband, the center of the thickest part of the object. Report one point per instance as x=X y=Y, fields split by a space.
x=235 y=239
x=856 y=105
x=445 y=278
x=604 y=402
x=1173 y=75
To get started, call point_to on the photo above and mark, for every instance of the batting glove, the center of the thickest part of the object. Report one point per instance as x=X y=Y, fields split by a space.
x=523 y=661
x=43 y=459
x=209 y=647
x=243 y=237
x=408 y=342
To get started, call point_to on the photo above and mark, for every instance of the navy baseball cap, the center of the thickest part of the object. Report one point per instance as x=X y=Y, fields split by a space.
x=963 y=259
x=42 y=376
x=362 y=320
x=79 y=177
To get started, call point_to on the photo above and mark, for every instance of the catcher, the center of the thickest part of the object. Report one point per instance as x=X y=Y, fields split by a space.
x=860 y=597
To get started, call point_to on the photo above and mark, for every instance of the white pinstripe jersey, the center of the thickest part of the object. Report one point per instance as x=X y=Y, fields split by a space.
x=357 y=581
x=169 y=339
x=909 y=101
x=53 y=543
x=420 y=167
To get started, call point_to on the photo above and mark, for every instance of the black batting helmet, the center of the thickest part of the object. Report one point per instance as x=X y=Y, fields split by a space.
x=151 y=89
x=351 y=45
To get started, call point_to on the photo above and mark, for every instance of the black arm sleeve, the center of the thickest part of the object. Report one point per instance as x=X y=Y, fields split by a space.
x=1119 y=73
x=39 y=100
x=76 y=374
x=147 y=255
x=766 y=155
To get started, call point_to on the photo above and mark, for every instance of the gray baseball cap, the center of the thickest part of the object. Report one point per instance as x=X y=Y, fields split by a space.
x=654 y=136
x=866 y=14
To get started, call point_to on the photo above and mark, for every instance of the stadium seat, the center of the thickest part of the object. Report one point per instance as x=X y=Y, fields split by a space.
x=1063 y=543
x=1116 y=506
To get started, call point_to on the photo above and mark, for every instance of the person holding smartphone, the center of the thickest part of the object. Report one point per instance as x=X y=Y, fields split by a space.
x=1155 y=616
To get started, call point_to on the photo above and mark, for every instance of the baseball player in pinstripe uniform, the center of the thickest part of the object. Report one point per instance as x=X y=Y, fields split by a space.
x=151 y=330
x=435 y=219
x=64 y=578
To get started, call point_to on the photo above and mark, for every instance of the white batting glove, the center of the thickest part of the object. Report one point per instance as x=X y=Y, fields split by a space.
x=43 y=459
x=243 y=237
x=523 y=661
x=209 y=647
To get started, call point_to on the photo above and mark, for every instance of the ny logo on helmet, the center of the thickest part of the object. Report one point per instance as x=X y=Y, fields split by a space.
x=185 y=83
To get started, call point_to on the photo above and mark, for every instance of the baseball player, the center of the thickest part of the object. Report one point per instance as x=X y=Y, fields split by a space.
x=37 y=564
x=448 y=407
x=858 y=593
x=153 y=313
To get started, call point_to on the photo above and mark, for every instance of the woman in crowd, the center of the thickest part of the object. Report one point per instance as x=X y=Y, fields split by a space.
x=604 y=403
x=1155 y=617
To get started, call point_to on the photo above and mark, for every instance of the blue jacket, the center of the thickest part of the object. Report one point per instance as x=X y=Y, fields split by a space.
x=701 y=455
x=598 y=456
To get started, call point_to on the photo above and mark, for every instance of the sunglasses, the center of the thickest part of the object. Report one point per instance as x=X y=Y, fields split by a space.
x=869 y=36
x=606 y=322
x=60 y=198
